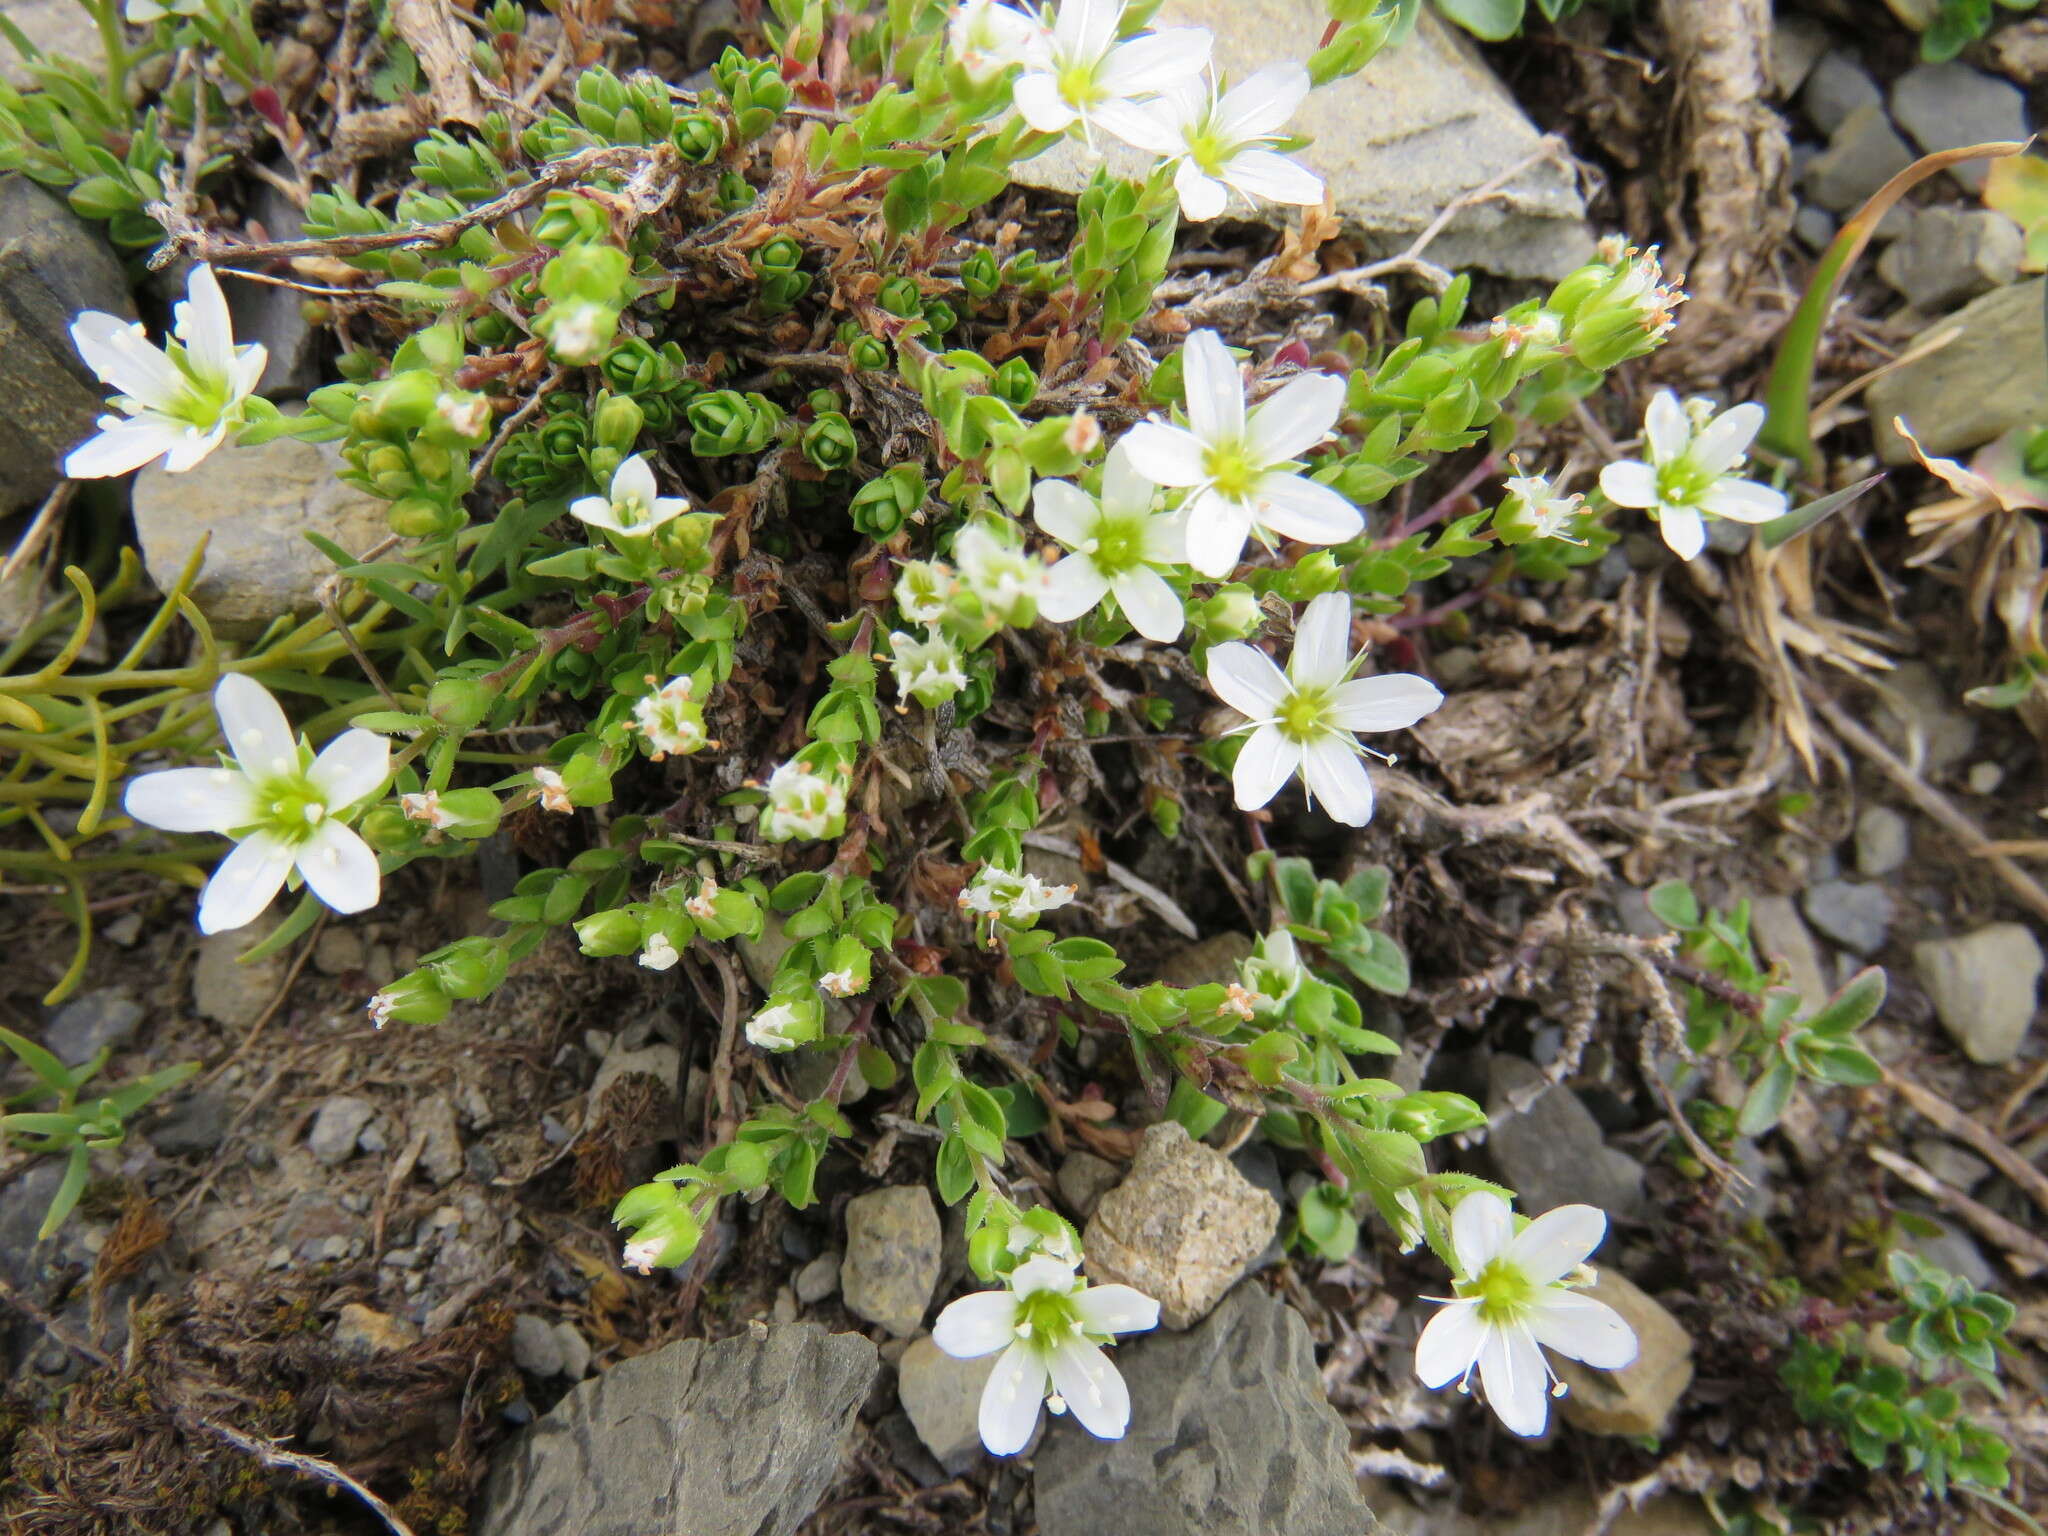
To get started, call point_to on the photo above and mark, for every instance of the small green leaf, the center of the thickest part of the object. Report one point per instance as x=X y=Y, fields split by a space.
x=1675 y=905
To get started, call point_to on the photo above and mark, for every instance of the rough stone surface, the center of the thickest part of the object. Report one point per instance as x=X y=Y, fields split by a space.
x=1884 y=841
x=1855 y=915
x=195 y=1122
x=535 y=1347
x=2020 y=51
x=339 y=951
x=52 y=266
x=62 y=27
x=276 y=316
x=1638 y=1399
x=1987 y=381
x=441 y=1153
x=1946 y=106
x=1083 y=1180
x=892 y=1256
x=1924 y=720
x=1983 y=987
x=104 y=1018
x=1549 y=1148
x=1837 y=88
x=943 y=1398
x=737 y=1438
x=336 y=1125
x=1182 y=1227
x=575 y=1351
x=1230 y=1433
x=1951 y=255
x=817 y=1279
x=258 y=504
x=1864 y=154
x=1421 y=125
x=229 y=992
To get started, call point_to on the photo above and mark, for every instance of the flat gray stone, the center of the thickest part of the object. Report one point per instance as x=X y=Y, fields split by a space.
x=1781 y=934
x=737 y=1438
x=942 y=1395
x=1855 y=915
x=1983 y=986
x=1230 y=1435
x=61 y=27
x=225 y=989
x=1948 y=106
x=1797 y=43
x=1421 y=125
x=104 y=1018
x=1991 y=378
x=336 y=1125
x=1550 y=1150
x=1949 y=256
x=893 y=1242
x=1864 y=154
x=1884 y=841
x=1837 y=87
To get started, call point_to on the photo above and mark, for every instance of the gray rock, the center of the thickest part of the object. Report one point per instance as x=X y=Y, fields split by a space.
x=1948 y=106
x=1182 y=1227
x=229 y=992
x=1983 y=987
x=339 y=950
x=1797 y=42
x=1815 y=227
x=1949 y=1162
x=61 y=27
x=1230 y=1433
x=336 y=1125
x=1548 y=1147
x=1836 y=90
x=198 y=1122
x=52 y=266
x=1953 y=1249
x=103 y=1019
x=943 y=1398
x=441 y=1154
x=1864 y=154
x=737 y=1438
x=892 y=1257
x=1083 y=1180
x=257 y=504
x=1856 y=916
x=1951 y=255
x=575 y=1351
x=817 y=1279
x=1636 y=1400
x=1987 y=381
x=534 y=1346
x=1924 y=719
x=276 y=316
x=2020 y=51
x=1421 y=125
x=1884 y=841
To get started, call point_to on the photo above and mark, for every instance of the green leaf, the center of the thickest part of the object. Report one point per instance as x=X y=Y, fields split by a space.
x=1380 y=963
x=1784 y=529
x=1767 y=1098
x=1368 y=890
x=1843 y=1065
x=954 y=1170
x=1855 y=1005
x=1194 y=1109
x=68 y=1191
x=55 y=1075
x=1675 y=905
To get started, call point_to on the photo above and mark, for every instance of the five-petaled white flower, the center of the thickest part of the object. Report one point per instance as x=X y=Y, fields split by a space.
x=1119 y=543
x=177 y=402
x=1051 y=1326
x=1513 y=1299
x=987 y=37
x=1535 y=506
x=802 y=803
x=1005 y=893
x=1239 y=468
x=1222 y=141
x=285 y=808
x=659 y=952
x=631 y=509
x=1080 y=73
x=1691 y=472
x=1303 y=720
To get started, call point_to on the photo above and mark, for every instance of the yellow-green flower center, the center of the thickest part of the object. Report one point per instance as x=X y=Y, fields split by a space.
x=1230 y=469
x=1209 y=150
x=1301 y=717
x=1118 y=545
x=290 y=808
x=1045 y=1318
x=1504 y=1292
x=1078 y=87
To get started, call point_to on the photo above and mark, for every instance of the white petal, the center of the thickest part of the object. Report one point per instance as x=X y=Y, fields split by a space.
x=254 y=727
x=1306 y=510
x=1044 y=1273
x=1557 y=1242
x=1094 y=1389
x=1630 y=483
x=1040 y=104
x=977 y=1325
x=1154 y=61
x=1244 y=677
x=1074 y=587
x=1683 y=530
x=202 y=323
x=1010 y=1400
x=1126 y=120
x=1724 y=442
x=1481 y=1229
x=1065 y=511
x=248 y=367
x=1322 y=642
x=1299 y=415
x=122 y=445
x=1149 y=603
x=1667 y=427
x=1584 y=1329
x=191 y=800
x=1449 y=1344
x=597 y=512
x=1517 y=1385
x=193 y=445
x=351 y=767
x=1216 y=530
x=1214 y=389
x=1258 y=106
x=1264 y=766
x=1125 y=488
x=340 y=868
x=1337 y=780
x=1116 y=1309
x=633 y=481
x=1151 y=127
x=1165 y=455
x=121 y=355
x=1166 y=539
x=1261 y=173
x=1390 y=703
x=1202 y=196
x=1744 y=501
x=1084 y=29
x=244 y=883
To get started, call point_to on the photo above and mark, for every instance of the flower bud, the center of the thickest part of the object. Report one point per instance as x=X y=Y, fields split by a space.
x=616 y=932
x=899 y=296
x=577 y=332
x=416 y=517
x=698 y=136
x=472 y=968
x=1015 y=381
x=616 y=422
x=1229 y=613
x=385 y=828
x=787 y=1022
x=415 y=998
x=397 y=407
x=829 y=443
x=979 y=273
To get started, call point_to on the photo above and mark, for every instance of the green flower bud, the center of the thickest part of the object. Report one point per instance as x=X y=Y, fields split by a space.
x=986 y=1250
x=397 y=407
x=868 y=352
x=385 y=828
x=1015 y=381
x=940 y=316
x=470 y=813
x=415 y=998
x=597 y=273
x=616 y=422
x=568 y=220
x=616 y=932
x=782 y=254
x=726 y=421
x=1229 y=613
x=336 y=402
x=829 y=443
x=979 y=273
x=879 y=508
x=899 y=296
x=577 y=331
x=699 y=137
x=733 y=192
x=417 y=517
x=471 y=968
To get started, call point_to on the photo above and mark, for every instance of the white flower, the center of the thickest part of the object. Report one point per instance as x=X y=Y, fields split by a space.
x=987 y=38
x=1222 y=141
x=1303 y=721
x=641 y=1256
x=1540 y=509
x=1005 y=579
x=924 y=590
x=704 y=905
x=554 y=795
x=285 y=809
x=381 y=1006
x=1512 y=1299
x=842 y=983
x=1118 y=545
x=426 y=806
x=659 y=953
x=1003 y=893
x=1239 y=468
x=1691 y=474
x=927 y=670
x=786 y=1025
x=176 y=402
x=670 y=719
x=1082 y=74
x=1051 y=1326
x=803 y=804
x=631 y=510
